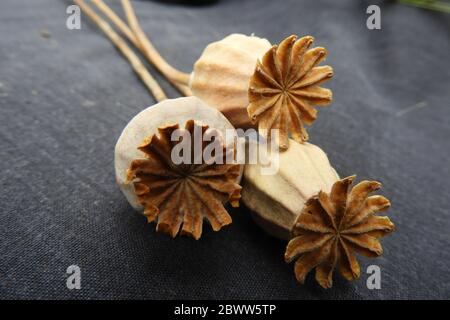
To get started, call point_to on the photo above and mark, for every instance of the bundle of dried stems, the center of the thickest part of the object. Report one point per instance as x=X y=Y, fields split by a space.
x=136 y=36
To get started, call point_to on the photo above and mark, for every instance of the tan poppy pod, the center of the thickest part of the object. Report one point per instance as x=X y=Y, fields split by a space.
x=326 y=221
x=277 y=200
x=174 y=194
x=222 y=73
x=255 y=84
x=334 y=227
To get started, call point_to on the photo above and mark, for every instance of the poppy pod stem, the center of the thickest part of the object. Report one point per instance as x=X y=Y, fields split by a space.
x=134 y=33
x=179 y=79
x=137 y=65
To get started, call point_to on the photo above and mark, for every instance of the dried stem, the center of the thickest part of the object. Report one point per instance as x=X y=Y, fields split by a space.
x=131 y=36
x=135 y=62
x=115 y=19
x=177 y=78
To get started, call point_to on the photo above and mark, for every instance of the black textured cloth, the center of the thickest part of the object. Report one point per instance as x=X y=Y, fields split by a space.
x=66 y=95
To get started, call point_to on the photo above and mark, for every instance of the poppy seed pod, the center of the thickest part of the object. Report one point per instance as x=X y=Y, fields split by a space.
x=170 y=193
x=222 y=74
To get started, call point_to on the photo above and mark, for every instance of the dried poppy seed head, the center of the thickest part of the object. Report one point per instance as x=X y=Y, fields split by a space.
x=276 y=200
x=164 y=191
x=221 y=75
x=332 y=227
x=183 y=194
x=285 y=87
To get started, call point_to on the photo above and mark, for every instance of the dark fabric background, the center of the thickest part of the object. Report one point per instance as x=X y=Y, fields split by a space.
x=65 y=99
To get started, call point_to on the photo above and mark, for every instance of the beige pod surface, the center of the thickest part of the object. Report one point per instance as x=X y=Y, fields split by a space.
x=146 y=123
x=222 y=74
x=276 y=200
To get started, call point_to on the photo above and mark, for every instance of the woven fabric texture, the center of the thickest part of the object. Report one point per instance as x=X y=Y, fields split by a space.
x=66 y=95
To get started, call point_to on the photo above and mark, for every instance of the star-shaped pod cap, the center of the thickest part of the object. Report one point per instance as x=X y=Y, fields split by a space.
x=285 y=88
